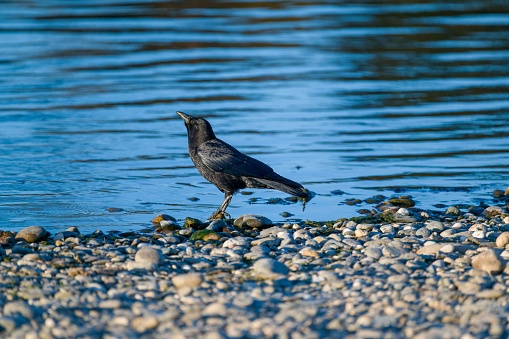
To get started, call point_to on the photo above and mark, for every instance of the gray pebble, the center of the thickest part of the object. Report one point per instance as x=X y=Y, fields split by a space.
x=268 y=268
x=373 y=252
x=435 y=226
x=252 y=221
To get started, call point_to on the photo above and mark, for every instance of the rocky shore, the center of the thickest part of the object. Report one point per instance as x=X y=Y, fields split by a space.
x=394 y=272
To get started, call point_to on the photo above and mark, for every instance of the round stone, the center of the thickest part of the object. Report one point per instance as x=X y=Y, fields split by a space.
x=488 y=261
x=148 y=255
x=268 y=268
x=253 y=221
x=32 y=234
x=191 y=280
x=503 y=239
x=435 y=226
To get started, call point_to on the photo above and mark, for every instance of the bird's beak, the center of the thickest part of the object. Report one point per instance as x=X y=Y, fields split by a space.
x=184 y=116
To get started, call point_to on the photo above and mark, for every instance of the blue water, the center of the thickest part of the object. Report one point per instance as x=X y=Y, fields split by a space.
x=367 y=98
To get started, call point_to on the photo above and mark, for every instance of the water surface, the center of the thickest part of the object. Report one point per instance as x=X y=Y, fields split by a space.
x=367 y=98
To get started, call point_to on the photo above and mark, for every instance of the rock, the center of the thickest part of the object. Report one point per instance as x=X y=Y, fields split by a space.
x=479 y=234
x=237 y=241
x=144 y=324
x=488 y=261
x=217 y=225
x=492 y=211
x=268 y=268
x=309 y=252
x=453 y=210
x=389 y=229
x=205 y=235
x=497 y=194
x=490 y=294
x=449 y=248
x=423 y=232
x=32 y=234
x=168 y=225
x=6 y=238
x=502 y=239
x=191 y=280
x=157 y=220
x=435 y=226
x=19 y=307
x=252 y=221
x=373 y=252
x=147 y=257
x=192 y=223
x=393 y=252
x=403 y=201
x=431 y=249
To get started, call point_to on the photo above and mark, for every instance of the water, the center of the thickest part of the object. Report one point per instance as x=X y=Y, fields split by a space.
x=364 y=97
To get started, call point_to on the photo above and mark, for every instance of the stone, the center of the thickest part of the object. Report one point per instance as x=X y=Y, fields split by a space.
x=268 y=268
x=492 y=211
x=453 y=210
x=435 y=226
x=431 y=249
x=373 y=252
x=19 y=307
x=205 y=235
x=143 y=324
x=309 y=252
x=393 y=252
x=488 y=261
x=192 y=223
x=502 y=239
x=252 y=221
x=217 y=225
x=157 y=220
x=423 y=232
x=387 y=229
x=32 y=234
x=190 y=280
x=149 y=255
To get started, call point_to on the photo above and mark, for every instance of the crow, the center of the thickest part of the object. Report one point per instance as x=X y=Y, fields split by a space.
x=229 y=169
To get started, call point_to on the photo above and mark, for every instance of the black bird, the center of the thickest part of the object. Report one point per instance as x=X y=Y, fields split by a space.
x=227 y=168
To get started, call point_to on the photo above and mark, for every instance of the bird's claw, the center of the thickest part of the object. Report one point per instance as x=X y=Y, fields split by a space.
x=219 y=215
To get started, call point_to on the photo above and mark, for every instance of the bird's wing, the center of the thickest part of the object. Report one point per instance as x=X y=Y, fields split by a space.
x=221 y=157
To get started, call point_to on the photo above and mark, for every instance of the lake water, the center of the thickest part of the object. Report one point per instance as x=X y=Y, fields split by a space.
x=363 y=97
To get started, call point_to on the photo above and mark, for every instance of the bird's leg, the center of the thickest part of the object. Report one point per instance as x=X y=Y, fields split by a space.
x=222 y=208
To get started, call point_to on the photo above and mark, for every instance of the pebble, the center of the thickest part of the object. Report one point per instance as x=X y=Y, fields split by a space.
x=435 y=226
x=299 y=280
x=32 y=234
x=502 y=239
x=252 y=221
x=488 y=261
x=309 y=252
x=146 y=257
x=191 y=280
x=268 y=268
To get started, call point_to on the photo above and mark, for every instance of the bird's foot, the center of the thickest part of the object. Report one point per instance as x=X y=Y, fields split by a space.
x=219 y=215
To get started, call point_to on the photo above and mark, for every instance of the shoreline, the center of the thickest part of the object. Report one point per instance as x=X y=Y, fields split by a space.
x=400 y=272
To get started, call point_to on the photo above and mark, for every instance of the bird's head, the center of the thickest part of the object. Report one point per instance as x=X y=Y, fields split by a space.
x=198 y=129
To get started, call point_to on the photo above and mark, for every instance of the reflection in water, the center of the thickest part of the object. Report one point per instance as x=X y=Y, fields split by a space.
x=367 y=98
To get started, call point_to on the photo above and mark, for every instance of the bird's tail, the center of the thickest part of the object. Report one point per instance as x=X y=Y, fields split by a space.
x=287 y=186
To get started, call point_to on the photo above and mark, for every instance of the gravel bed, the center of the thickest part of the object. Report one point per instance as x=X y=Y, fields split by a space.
x=399 y=272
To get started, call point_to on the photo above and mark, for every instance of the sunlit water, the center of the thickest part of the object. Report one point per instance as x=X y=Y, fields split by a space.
x=364 y=97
